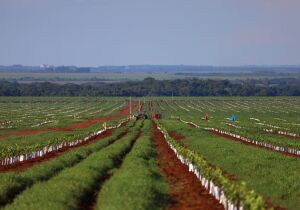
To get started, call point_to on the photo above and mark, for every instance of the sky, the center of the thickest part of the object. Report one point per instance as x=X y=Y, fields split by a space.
x=132 y=32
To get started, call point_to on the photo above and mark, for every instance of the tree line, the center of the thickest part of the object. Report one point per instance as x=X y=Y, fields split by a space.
x=152 y=87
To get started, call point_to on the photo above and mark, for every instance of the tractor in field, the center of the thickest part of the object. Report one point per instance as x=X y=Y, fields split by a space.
x=141 y=116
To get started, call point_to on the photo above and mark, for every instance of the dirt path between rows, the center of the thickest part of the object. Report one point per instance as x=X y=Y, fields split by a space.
x=124 y=112
x=177 y=136
x=186 y=191
x=24 y=165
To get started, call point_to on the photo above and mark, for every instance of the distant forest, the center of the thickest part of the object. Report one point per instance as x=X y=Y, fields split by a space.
x=152 y=87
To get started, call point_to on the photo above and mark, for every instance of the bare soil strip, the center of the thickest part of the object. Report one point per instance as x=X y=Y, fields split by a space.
x=176 y=136
x=186 y=191
x=22 y=166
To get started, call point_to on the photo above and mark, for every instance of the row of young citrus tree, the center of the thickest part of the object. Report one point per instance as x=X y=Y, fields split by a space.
x=233 y=195
x=40 y=141
x=35 y=113
x=269 y=113
x=270 y=174
x=32 y=149
x=114 y=173
x=72 y=186
x=13 y=183
x=244 y=136
x=245 y=128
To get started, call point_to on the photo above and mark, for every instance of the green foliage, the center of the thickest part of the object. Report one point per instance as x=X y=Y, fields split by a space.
x=12 y=183
x=24 y=116
x=247 y=171
x=234 y=191
x=270 y=174
x=68 y=188
x=152 y=87
x=138 y=184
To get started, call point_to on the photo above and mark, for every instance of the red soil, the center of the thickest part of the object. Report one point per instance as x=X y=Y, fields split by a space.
x=176 y=136
x=22 y=166
x=83 y=124
x=186 y=191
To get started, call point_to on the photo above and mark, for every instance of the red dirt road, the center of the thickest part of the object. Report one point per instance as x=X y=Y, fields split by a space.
x=186 y=191
x=83 y=124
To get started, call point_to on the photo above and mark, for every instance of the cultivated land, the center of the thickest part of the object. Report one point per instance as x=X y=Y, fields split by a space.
x=55 y=153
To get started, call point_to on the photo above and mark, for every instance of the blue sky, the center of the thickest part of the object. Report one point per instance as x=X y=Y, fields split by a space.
x=121 y=32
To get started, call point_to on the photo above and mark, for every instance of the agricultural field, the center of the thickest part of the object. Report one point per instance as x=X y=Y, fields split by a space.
x=189 y=153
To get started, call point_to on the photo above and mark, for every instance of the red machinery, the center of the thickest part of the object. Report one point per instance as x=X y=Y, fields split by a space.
x=156 y=116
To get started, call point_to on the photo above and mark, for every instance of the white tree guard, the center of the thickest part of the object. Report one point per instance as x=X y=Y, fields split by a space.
x=288 y=150
x=208 y=184
x=52 y=148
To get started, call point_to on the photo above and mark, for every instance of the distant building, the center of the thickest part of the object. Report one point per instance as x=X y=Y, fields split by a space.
x=45 y=66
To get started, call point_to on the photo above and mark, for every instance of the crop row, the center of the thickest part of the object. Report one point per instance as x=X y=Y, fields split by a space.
x=70 y=187
x=288 y=150
x=57 y=113
x=285 y=118
x=13 y=183
x=16 y=154
x=267 y=172
x=261 y=135
x=258 y=143
x=233 y=195
x=138 y=184
x=295 y=135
